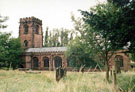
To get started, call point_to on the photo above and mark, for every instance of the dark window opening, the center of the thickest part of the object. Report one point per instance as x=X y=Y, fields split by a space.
x=57 y=61
x=37 y=29
x=25 y=43
x=46 y=62
x=35 y=62
x=121 y=63
x=25 y=29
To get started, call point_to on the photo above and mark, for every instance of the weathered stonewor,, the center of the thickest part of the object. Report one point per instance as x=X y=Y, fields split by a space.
x=123 y=63
x=38 y=57
x=30 y=32
x=60 y=72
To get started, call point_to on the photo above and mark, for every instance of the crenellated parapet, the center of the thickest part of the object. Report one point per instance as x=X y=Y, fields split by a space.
x=30 y=20
x=30 y=32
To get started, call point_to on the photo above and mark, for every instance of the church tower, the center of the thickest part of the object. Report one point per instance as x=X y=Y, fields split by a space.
x=30 y=32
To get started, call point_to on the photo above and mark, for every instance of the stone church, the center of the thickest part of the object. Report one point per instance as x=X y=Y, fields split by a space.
x=36 y=56
x=49 y=58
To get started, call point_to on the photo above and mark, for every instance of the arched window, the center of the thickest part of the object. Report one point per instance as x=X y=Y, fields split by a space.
x=37 y=29
x=25 y=29
x=46 y=62
x=121 y=62
x=57 y=61
x=25 y=43
x=35 y=62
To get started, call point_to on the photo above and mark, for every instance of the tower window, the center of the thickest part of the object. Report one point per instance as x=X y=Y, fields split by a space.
x=25 y=29
x=37 y=29
x=25 y=43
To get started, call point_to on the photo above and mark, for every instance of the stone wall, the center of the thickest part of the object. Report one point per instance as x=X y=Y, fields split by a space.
x=34 y=39
x=40 y=56
x=126 y=60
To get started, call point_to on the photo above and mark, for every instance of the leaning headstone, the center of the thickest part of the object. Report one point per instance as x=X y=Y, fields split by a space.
x=60 y=72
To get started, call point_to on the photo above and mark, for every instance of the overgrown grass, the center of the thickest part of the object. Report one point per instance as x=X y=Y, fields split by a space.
x=19 y=81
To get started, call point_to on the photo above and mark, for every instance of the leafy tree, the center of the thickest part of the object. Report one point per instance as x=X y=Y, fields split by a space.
x=78 y=54
x=78 y=25
x=10 y=48
x=58 y=37
x=14 y=53
x=4 y=37
x=3 y=19
x=103 y=19
x=119 y=3
x=126 y=26
x=80 y=51
x=46 y=38
x=64 y=37
x=11 y=51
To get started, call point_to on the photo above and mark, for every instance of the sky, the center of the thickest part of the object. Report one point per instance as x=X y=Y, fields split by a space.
x=53 y=13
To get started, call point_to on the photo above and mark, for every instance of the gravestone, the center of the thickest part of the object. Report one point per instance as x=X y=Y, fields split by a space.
x=60 y=72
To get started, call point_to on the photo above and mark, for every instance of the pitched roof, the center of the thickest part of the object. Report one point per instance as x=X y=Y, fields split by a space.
x=47 y=49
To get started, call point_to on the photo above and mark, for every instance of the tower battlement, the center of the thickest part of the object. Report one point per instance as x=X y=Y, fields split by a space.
x=30 y=20
x=30 y=32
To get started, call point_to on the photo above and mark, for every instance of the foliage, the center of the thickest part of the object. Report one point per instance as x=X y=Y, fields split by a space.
x=58 y=37
x=132 y=56
x=117 y=23
x=46 y=38
x=14 y=52
x=11 y=50
x=78 y=25
x=114 y=22
x=3 y=19
x=78 y=54
x=80 y=50
x=4 y=38
x=127 y=85
x=103 y=19
x=126 y=25
x=119 y=3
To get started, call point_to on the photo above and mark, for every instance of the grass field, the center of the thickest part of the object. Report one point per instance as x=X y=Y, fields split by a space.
x=19 y=81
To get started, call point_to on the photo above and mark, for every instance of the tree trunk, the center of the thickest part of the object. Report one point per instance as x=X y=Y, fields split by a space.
x=107 y=72
x=114 y=79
